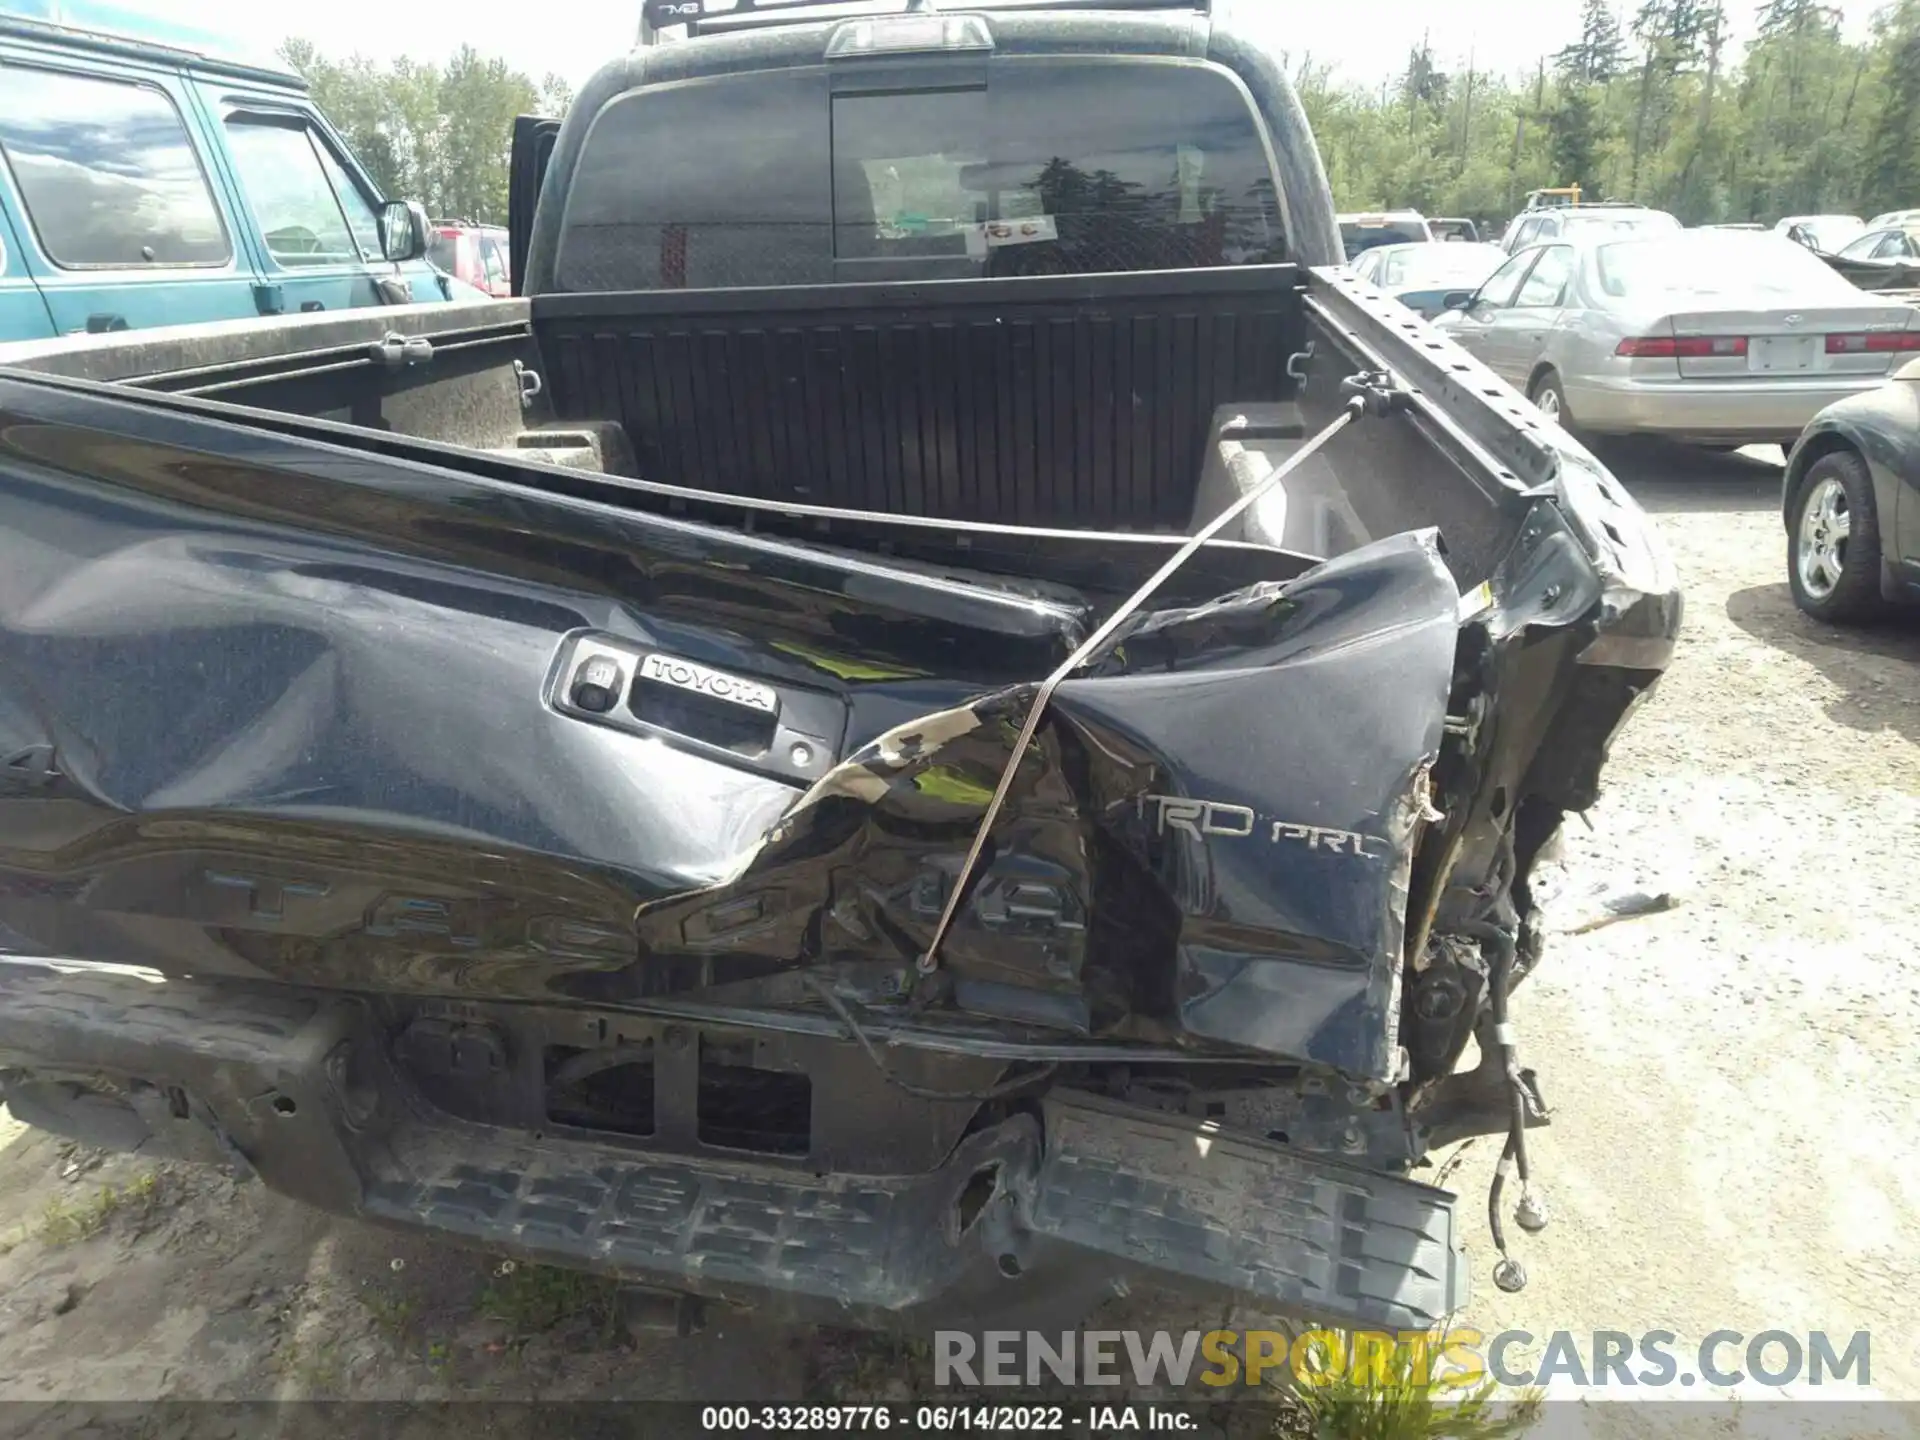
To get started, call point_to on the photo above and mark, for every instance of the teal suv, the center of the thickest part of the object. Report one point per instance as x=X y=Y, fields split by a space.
x=147 y=182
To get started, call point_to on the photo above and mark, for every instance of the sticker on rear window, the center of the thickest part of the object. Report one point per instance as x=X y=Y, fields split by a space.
x=992 y=234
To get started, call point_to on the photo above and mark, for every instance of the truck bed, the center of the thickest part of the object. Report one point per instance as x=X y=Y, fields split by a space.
x=1088 y=403
x=1075 y=402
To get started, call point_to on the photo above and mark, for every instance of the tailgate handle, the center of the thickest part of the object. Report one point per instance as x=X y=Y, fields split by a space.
x=792 y=731
x=705 y=704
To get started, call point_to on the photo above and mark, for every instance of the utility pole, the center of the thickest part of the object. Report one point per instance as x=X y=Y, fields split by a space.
x=1519 y=129
x=1417 y=75
x=1466 y=119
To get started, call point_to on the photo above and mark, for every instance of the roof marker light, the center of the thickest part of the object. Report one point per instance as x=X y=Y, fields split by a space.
x=908 y=34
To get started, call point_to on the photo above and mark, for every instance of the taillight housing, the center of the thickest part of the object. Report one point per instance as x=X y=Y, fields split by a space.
x=1683 y=347
x=1874 y=342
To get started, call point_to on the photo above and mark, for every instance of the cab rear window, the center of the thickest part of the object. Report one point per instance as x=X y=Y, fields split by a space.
x=1051 y=167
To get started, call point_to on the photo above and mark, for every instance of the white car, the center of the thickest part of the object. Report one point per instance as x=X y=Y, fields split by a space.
x=1891 y=242
x=1421 y=277
x=1577 y=223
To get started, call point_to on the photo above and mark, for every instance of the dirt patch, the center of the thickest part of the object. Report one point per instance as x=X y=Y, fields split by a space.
x=1734 y=1080
x=190 y=1286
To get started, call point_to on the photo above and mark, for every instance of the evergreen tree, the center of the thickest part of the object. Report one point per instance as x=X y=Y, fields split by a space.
x=1600 y=52
x=1892 y=172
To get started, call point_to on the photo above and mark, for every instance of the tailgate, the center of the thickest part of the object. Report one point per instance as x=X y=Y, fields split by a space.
x=354 y=729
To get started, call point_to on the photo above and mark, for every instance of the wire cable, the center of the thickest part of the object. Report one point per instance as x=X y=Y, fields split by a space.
x=1002 y=1091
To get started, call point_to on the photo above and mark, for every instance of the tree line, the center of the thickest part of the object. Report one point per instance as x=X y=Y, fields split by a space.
x=1653 y=104
x=439 y=134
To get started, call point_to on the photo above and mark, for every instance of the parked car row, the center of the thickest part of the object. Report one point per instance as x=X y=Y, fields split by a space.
x=1717 y=336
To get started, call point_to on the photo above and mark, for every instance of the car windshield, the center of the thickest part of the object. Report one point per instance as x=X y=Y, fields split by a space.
x=1830 y=232
x=1361 y=233
x=1440 y=264
x=1862 y=247
x=1718 y=263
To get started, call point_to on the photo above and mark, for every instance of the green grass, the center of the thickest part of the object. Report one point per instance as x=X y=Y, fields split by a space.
x=533 y=1299
x=312 y=1369
x=860 y=1366
x=66 y=1222
x=1402 y=1394
x=392 y=1315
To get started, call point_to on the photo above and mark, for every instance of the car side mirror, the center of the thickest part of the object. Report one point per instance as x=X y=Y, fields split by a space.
x=403 y=230
x=1457 y=300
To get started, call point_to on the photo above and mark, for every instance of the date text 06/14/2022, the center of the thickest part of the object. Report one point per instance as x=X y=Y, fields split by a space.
x=947 y=1419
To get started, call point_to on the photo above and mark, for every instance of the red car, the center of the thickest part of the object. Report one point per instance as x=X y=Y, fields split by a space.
x=474 y=253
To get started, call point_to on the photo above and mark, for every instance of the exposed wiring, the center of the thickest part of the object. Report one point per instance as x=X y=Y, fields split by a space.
x=1499 y=974
x=920 y=1092
x=1508 y=1274
x=1453 y=1162
x=1494 y=1190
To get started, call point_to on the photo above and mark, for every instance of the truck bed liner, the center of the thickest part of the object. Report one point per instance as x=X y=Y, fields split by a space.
x=1071 y=400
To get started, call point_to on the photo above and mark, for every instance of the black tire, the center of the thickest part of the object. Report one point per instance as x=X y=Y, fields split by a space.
x=1837 y=580
x=1546 y=386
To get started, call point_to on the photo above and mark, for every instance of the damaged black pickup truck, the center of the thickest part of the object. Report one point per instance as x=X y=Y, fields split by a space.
x=944 y=718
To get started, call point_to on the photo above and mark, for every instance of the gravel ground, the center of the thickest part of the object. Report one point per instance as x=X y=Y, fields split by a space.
x=1734 y=1080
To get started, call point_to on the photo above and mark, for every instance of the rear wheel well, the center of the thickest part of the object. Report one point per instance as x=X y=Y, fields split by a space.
x=1543 y=368
x=1827 y=442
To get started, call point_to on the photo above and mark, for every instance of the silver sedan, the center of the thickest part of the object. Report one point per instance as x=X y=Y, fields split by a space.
x=1710 y=336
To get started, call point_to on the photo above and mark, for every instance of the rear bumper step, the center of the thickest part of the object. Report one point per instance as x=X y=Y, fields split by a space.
x=1031 y=1218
